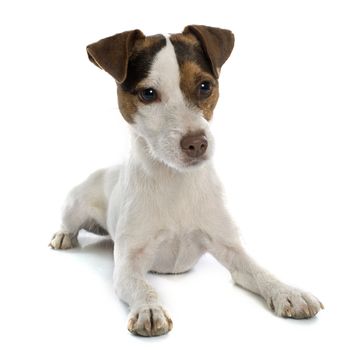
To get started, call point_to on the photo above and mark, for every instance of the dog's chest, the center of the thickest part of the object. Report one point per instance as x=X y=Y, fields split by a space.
x=166 y=208
x=170 y=214
x=182 y=205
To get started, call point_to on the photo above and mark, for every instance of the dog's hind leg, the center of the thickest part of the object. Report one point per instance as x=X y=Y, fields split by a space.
x=85 y=208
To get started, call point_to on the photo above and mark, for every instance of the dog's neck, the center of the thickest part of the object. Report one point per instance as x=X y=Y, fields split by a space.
x=142 y=159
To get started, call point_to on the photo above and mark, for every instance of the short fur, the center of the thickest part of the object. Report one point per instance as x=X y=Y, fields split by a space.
x=163 y=208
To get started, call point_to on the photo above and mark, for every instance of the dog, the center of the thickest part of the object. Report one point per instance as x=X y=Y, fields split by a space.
x=163 y=207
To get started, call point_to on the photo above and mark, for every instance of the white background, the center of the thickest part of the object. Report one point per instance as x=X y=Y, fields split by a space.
x=282 y=132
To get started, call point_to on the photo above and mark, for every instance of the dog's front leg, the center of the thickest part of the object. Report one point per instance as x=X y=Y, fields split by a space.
x=284 y=300
x=132 y=262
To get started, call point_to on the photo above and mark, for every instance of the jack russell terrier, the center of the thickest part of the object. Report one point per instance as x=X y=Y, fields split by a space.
x=163 y=208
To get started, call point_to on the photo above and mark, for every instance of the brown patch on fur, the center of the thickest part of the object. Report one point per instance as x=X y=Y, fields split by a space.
x=191 y=75
x=139 y=65
x=187 y=48
x=141 y=59
x=217 y=44
x=127 y=104
x=112 y=53
x=194 y=69
x=147 y=42
x=127 y=57
x=188 y=38
x=200 y=52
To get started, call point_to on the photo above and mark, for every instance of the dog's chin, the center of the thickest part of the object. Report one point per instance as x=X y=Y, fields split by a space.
x=188 y=164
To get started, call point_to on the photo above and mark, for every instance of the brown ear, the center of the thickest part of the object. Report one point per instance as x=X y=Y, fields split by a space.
x=112 y=54
x=217 y=44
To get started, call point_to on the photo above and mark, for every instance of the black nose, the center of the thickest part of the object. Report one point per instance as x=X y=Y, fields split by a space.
x=194 y=145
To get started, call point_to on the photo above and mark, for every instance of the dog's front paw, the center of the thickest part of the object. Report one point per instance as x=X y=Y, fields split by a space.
x=150 y=321
x=294 y=303
x=62 y=240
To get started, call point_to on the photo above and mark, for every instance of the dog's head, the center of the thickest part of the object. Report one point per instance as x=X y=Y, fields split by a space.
x=168 y=87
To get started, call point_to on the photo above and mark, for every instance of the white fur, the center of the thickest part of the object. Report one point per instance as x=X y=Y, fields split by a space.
x=163 y=218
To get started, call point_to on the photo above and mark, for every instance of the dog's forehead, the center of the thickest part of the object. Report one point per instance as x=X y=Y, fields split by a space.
x=187 y=49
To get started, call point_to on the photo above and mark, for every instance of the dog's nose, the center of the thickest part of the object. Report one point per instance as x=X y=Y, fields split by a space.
x=194 y=145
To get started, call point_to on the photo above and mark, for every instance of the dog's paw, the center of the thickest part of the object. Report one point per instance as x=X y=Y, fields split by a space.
x=294 y=303
x=150 y=321
x=62 y=240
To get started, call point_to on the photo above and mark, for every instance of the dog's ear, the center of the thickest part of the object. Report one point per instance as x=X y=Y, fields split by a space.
x=112 y=54
x=217 y=44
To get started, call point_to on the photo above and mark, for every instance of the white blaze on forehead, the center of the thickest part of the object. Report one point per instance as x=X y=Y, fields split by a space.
x=173 y=113
x=163 y=123
x=165 y=74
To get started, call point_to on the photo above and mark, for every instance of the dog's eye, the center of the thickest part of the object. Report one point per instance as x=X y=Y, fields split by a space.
x=148 y=95
x=204 y=89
